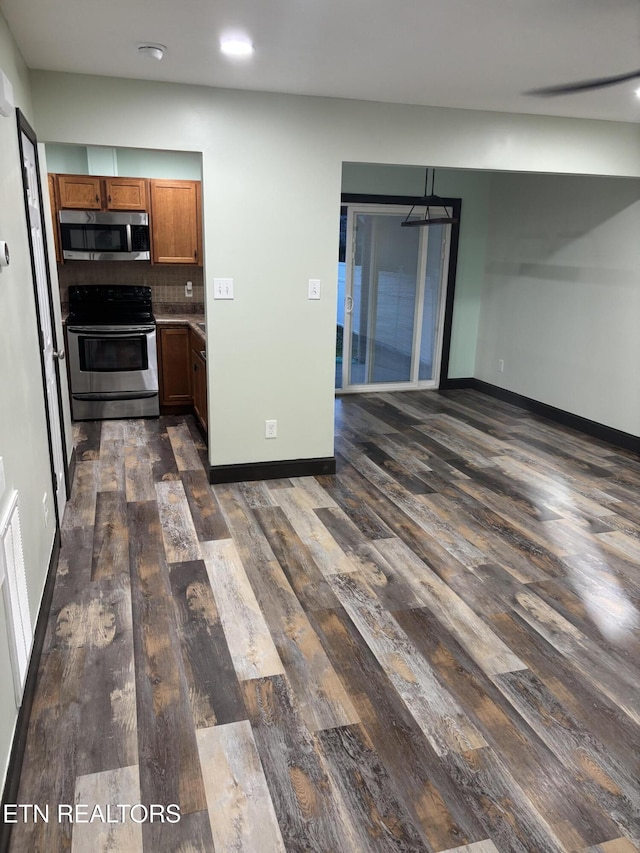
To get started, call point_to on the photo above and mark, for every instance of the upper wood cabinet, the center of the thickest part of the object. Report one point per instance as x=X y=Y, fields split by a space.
x=89 y=192
x=82 y=192
x=175 y=209
x=126 y=193
x=176 y=222
x=53 y=201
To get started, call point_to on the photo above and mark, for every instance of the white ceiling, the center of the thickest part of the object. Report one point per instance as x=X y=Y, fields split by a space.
x=478 y=54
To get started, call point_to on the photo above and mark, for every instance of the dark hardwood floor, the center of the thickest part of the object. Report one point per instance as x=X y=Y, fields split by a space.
x=437 y=649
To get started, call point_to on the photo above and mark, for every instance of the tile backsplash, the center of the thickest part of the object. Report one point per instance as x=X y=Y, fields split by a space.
x=166 y=281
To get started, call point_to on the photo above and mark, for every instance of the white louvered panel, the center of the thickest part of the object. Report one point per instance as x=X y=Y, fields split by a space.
x=14 y=590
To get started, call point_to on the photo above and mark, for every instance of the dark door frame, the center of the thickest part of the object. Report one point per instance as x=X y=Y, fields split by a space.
x=25 y=127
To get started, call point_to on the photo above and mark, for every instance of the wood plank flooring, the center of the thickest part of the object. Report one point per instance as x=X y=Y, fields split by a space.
x=437 y=649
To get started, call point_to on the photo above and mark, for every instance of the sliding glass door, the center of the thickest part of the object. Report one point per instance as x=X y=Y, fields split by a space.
x=395 y=280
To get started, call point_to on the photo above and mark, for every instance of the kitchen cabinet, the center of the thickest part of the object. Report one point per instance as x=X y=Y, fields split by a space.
x=79 y=192
x=199 y=379
x=125 y=193
x=175 y=210
x=91 y=192
x=176 y=222
x=174 y=369
x=53 y=202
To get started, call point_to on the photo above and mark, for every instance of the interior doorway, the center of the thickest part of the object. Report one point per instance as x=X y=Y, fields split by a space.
x=392 y=299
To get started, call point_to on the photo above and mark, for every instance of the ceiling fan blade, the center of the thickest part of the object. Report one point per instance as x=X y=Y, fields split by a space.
x=585 y=85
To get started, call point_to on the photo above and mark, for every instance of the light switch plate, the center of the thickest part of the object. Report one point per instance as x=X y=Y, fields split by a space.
x=314 y=288
x=223 y=288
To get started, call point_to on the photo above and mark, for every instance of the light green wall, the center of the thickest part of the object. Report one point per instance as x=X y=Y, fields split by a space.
x=144 y=163
x=473 y=188
x=561 y=300
x=272 y=168
x=67 y=159
x=102 y=160
x=23 y=436
x=128 y=162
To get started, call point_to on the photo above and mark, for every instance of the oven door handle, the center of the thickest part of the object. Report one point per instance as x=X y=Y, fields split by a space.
x=115 y=395
x=110 y=330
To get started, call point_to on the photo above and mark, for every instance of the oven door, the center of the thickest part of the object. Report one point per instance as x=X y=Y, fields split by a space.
x=108 y=361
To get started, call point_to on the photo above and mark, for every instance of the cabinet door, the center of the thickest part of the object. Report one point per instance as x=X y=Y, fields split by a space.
x=175 y=379
x=126 y=193
x=199 y=380
x=175 y=210
x=54 y=216
x=79 y=191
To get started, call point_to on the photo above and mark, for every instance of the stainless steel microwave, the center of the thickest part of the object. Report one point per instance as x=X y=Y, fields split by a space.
x=88 y=235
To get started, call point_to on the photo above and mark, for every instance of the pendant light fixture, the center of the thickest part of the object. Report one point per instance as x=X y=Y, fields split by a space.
x=429 y=201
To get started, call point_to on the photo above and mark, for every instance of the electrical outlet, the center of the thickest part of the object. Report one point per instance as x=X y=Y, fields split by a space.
x=271 y=429
x=500 y=365
x=223 y=288
x=188 y=290
x=314 y=288
x=45 y=510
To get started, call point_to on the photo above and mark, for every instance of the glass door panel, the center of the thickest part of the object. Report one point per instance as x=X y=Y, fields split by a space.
x=383 y=293
x=431 y=303
x=392 y=285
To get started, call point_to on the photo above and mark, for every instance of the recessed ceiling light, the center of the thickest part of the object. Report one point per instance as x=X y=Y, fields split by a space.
x=151 y=50
x=637 y=93
x=236 y=46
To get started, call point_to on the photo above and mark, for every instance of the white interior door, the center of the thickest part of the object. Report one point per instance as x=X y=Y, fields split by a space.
x=49 y=352
x=395 y=294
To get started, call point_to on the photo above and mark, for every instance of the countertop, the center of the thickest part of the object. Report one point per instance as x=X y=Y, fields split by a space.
x=190 y=320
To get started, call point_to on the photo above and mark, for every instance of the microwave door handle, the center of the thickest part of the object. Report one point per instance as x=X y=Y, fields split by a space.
x=129 y=242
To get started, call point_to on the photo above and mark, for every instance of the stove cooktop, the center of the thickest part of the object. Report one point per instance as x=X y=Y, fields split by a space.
x=110 y=304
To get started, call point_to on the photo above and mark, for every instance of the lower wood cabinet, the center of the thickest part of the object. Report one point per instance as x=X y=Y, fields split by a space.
x=182 y=371
x=199 y=385
x=174 y=369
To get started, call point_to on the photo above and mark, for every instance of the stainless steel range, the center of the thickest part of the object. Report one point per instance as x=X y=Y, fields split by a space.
x=113 y=363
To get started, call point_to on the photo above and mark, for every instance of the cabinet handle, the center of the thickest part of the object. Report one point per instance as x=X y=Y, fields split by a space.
x=195 y=368
x=109 y=199
x=195 y=254
x=97 y=198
